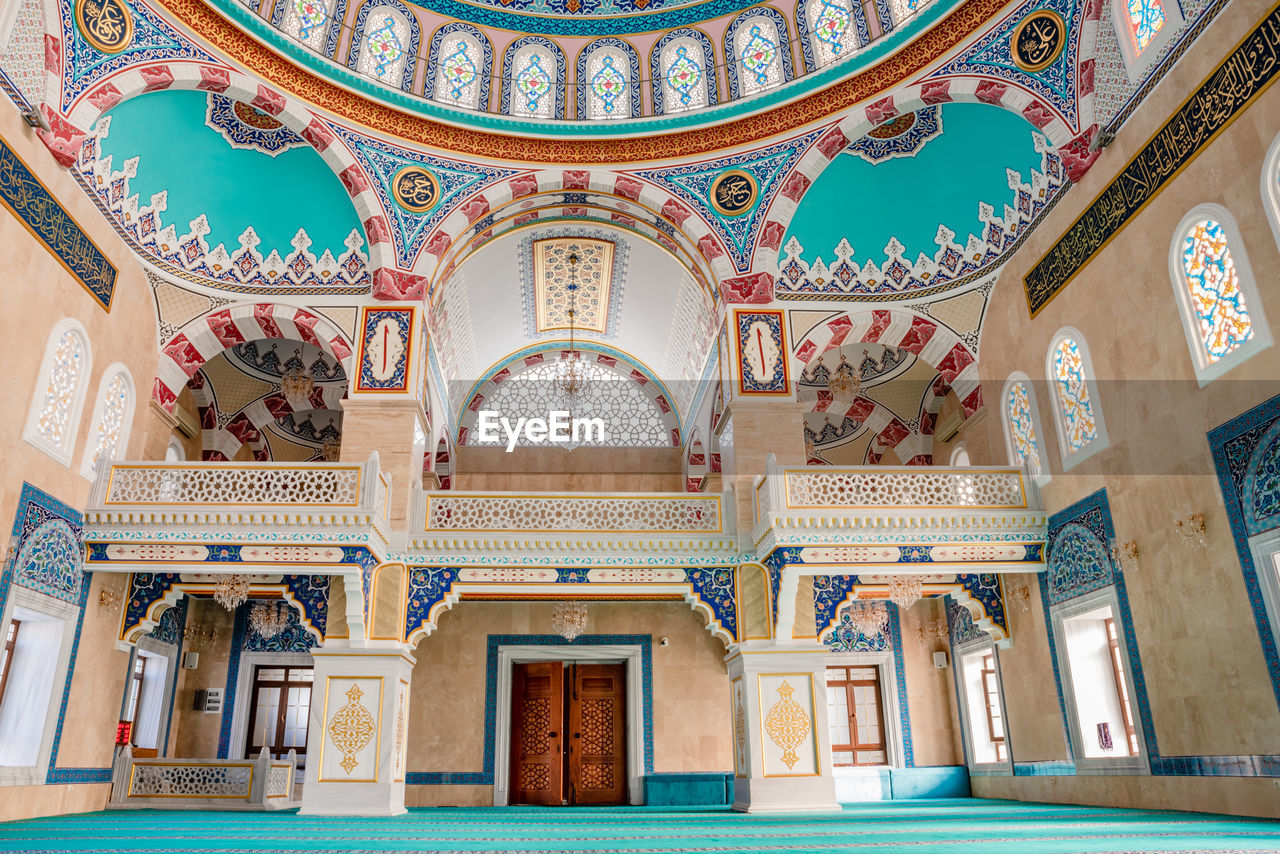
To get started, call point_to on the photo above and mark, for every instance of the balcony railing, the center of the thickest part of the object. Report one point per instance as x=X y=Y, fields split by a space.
x=260 y=783
x=474 y=512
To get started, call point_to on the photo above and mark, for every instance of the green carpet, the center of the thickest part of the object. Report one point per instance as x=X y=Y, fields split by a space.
x=954 y=825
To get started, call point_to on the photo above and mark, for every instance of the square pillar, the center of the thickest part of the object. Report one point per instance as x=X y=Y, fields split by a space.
x=358 y=734
x=782 y=746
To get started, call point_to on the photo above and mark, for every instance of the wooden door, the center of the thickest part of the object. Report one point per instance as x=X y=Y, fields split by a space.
x=597 y=748
x=537 y=734
x=280 y=711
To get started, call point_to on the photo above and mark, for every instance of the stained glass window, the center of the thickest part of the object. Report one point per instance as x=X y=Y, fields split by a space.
x=1146 y=19
x=684 y=76
x=460 y=65
x=1079 y=426
x=62 y=388
x=384 y=51
x=1022 y=426
x=533 y=81
x=756 y=46
x=1214 y=286
x=113 y=410
x=308 y=21
x=900 y=10
x=833 y=37
x=608 y=92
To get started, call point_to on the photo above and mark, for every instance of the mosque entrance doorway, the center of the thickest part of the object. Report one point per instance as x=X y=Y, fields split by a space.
x=568 y=733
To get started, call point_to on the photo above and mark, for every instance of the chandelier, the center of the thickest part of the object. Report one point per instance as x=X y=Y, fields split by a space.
x=231 y=591
x=845 y=381
x=331 y=450
x=869 y=619
x=569 y=619
x=268 y=619
x=571 y=377
x=905 y=590
x=296 y=382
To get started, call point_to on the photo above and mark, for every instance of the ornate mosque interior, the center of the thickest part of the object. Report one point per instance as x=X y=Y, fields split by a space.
x=857 y=412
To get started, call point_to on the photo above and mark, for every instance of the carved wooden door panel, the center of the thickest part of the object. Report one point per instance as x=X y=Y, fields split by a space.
x=537 y=715
x=597 y=727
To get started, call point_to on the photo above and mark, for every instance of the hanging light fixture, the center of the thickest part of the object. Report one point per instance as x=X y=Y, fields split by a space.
x=296 y=382
x=569 y=619
x=268 y=619
x=231 y=591
x=869 y=619
x=905 y=590
x=571 y=380
x=845 y=381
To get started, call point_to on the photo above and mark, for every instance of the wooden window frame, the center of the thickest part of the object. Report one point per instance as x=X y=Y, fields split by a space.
x=848 y=684
x=282 y=708
x=1122 y=695
x=990 y=686
x=10 y=643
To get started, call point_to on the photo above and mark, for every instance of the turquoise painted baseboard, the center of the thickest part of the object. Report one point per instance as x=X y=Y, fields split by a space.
x=939 y=781
x=688 y=789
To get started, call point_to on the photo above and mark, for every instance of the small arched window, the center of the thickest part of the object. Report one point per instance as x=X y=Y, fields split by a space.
x=1022 y=425
x=1077 y=411
x=535 y=80
x=1142 y=28
x=112 y=417
x=960 y=456
x=831 y=22
x=685 y=75
x=309 y=21
x=462 y=62
x=758 y=53
x=607 y=84
x=59 y=394
x=1217 y=297
x=384 y=45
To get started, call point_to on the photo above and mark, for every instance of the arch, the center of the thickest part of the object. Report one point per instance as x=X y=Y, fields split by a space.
x=1214 y=287
x=481 y=75
x=660 y=60
x=175 y=452
x=442 y=464
x=960 y=455
x=407 y=35
x=521 y=81
x=889 y=432
x=302 y=20
x=619 y=60
x=1023 y=435
x=201 y=339
x=112 y=420
x=828 y=31
x=53 y=419
x=696 y=467
x=1077 y=409
x=769 y=25
x=52 y=561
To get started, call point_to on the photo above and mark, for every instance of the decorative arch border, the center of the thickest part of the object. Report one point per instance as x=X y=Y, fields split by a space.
x=433 y=59
x=412 y=49
x=889 y=431
x=442 y=463
x=508 y=78
x=657 y=76
x=731 y=59
x=201 y=339
x=982 y=594
x=581 y=84
x=249 y=424
x=537 y=354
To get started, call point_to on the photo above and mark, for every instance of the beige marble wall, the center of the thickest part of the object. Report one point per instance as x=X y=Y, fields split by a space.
x=930 y=695
x=580 y=470
x=1193 y=624
x=195 y=734
x=38 y=292
x=691 y=717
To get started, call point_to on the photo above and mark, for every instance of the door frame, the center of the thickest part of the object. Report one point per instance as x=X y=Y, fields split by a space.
x=239 y=740
x=628 y=654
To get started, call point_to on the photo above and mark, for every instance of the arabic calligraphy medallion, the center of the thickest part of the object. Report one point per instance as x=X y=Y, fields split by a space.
x=734 y=192
x=105 y=24
x=1038 y=41
x=415 y=189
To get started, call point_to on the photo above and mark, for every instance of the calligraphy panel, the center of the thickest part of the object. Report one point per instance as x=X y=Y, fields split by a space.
x=762 y=352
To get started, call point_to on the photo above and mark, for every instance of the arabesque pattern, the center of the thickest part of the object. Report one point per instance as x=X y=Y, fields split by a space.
x=836 y=488
x=310 y=485
x=191 y=781
x=460 y=512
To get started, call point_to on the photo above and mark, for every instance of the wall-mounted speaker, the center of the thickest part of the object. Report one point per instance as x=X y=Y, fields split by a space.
x=940 y=659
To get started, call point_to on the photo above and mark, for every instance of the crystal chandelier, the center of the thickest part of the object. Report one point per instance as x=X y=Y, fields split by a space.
x=845 y=381
x=569 y=619
x=331 y=450
x=268 y=619
x=571 y=377
x=905 y=590
x=296 y=382
x=231 y=591
x=869 y=619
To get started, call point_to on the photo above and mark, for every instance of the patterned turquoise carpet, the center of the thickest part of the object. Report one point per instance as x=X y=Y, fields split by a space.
x=956 y=825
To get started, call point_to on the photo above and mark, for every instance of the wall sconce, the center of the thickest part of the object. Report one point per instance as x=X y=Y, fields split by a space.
x=1191 y=529
x=108 y=600
x=932 y=632
x=199 y=634
x=1018 y=596
x=1126 y=556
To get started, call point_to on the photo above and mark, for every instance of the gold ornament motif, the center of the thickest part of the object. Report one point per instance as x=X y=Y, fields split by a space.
x=415 y=189
x=734 y=192
x=740 y=733
x=105 y=24
x=400 y=732
x=351 y=729
x=787 y=724
x=1038 y=40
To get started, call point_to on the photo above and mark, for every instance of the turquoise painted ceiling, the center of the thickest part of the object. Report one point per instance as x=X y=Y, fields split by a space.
x=909 y=197
x=233 y=187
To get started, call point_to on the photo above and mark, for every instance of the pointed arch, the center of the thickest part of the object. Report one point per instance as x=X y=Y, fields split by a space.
x=533 y=74
x=668 y=96
x=460 y=66
x=1023 y=434
x=828 y=31
x=315 y=23
x=58 y=398
x=768 y=64
x=603 y=66
x=1077 y=409
x=112 y=419
x=394 y=66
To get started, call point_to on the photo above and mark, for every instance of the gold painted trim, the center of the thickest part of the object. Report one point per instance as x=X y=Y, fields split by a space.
x=377 y=756
x=536 y=532
x=1022 y=487
x=813 y=724
x=735 y=683
x=404 y=748
x=410 y=350
x=133 y=771
x=98 y=44
x=1028 y=21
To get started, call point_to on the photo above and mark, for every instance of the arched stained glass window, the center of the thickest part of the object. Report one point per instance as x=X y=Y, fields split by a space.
x=1073 y=394
x=384 y=50
x=607 y=83
x=459 y=67
x=308 y=21
x=111 y=416
x=534 y=78
x=831 y=21
x=60 y=390
x=684 y=75
x=1020 y=425
x=1146 y=19
x=756 y=48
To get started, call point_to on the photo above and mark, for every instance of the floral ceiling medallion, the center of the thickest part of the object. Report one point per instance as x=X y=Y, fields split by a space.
x=245 y=126
x=551 y=280
x=902 y=136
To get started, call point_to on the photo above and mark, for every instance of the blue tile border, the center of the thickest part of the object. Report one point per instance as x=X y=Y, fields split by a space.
x=485 y=777
x=895 y=632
